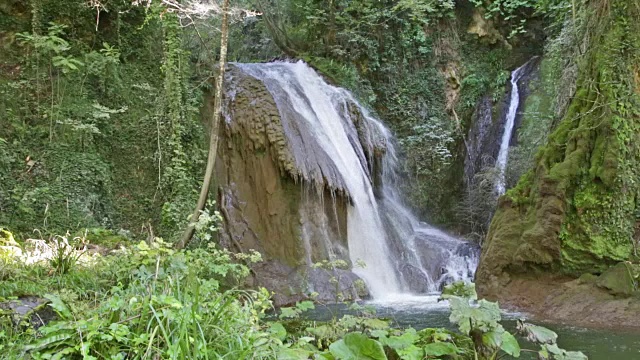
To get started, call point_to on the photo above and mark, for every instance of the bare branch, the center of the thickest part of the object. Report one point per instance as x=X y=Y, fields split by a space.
x=197 y=9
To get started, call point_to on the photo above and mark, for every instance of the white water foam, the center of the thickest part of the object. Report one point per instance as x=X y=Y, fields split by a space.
x=381 y=231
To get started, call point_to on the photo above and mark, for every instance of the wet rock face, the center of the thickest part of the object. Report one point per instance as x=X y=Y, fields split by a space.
x=290 y=285
x=483 y=139
x=27 y=311
x=415 y=279
x=334 y=285
x=266 y=202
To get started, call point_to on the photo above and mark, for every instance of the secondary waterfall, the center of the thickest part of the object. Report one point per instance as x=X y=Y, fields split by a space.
x=514 y=103
x=399 y=253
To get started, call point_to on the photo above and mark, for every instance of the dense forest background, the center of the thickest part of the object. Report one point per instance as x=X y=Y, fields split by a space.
x=100 y=104
x=102 y=126
x=104 y=116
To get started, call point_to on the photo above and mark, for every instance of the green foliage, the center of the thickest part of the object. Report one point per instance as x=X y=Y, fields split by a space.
x=160 y=302
x=484 y=317
x=65 y=256
x=554 y=352
x=356 y=346
x=459 y=289
x=295 y=312
x=150 y=301
x=481 y=323
x=427 y=10
x=547 y=339
x=537 y=334
x=90 y=107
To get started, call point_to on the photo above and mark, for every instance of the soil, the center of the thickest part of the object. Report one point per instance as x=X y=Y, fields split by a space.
x=568 y=301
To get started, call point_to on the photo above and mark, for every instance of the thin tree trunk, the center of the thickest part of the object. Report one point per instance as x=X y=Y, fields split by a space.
x=213 y=139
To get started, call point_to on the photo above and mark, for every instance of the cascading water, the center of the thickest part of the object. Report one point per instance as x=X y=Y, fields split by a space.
x=400 y=253
x=514 y=103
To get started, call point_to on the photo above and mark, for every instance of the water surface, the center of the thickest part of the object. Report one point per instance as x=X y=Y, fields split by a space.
x=425 y=311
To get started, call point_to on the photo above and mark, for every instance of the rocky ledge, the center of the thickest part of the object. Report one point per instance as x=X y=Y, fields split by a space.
x=610 y=300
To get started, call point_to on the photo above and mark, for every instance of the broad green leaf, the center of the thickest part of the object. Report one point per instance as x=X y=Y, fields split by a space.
x=510 y=345
x=305 y=305
x=277 y=330
x=400 y=342
x=492 y=339
x=324 y=356
x=379 y=333
x=289 y=313
x=305 y=339
x=537 y=334
x=552 y=351
x=440 y=349
x=356 y=346
x=59 y=306
x=411 y=353
x=375 y=324
x=293 y=354
x=322 y=331
x=574 y=355
x=485 y=316
x=460 y=289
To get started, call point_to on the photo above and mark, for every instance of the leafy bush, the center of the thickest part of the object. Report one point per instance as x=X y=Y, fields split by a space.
x=162 y=304
x=150 y=302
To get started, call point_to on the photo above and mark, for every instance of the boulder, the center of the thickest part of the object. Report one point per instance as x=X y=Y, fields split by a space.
x=27 y=311
x=290 y=285
x=619 y=279
x=587 y=279
x=336 y=285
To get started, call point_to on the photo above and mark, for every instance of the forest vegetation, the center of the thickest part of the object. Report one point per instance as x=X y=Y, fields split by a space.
x=105 y=122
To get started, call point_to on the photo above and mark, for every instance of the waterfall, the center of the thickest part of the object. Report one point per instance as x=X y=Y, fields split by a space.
x=399 y=253
x=514 y=103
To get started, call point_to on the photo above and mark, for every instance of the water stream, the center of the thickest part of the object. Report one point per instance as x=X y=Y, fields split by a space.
x=401 y=255
x=503 y=154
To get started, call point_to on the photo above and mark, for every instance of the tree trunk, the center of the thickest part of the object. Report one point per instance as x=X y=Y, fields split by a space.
x=213 y=136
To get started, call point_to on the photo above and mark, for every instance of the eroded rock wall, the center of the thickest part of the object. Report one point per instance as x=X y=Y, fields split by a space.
x=269 y=207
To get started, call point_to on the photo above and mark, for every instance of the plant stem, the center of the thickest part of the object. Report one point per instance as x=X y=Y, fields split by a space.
x=213 y=134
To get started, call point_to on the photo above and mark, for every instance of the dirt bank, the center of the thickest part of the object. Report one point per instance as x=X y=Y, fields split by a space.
x=577 y=302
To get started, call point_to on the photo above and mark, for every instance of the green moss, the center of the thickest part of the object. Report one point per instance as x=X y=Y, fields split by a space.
x=587 y=279
x=106 y=238
x=576 y=210
x=619 y=280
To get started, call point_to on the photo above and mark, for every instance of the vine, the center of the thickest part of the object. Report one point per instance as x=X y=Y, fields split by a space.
x=178 y=109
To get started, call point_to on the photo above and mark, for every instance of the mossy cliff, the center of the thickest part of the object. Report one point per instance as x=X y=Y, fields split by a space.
x=576 y=211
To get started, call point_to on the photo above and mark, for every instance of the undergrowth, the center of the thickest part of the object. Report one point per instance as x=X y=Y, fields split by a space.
x=149 y=301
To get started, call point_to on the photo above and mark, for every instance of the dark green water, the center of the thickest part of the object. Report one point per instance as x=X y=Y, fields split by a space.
x=422 y=312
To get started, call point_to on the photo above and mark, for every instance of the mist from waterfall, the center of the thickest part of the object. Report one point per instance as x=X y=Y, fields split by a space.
x=400 y=254
x=503 y=154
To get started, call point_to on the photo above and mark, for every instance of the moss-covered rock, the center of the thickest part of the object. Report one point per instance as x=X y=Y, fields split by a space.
x=587 y=279
x=576 y=211
x=620 y=279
